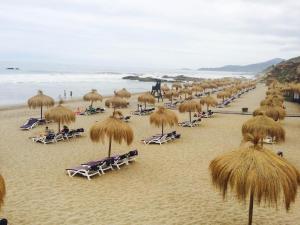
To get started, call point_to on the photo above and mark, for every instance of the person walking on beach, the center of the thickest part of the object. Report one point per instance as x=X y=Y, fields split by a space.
x=71 y=93
x=65 y=94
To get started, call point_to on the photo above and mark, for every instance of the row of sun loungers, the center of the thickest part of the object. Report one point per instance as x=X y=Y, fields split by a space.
x=125 y=118
x=98 y=167
x=55 y=137
x=143 y=112
x=32 y=123
x=231 y=99
x=193 y=123
x=161 y=139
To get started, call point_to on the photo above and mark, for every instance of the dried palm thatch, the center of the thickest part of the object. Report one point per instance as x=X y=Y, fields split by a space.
x=61 y=115
x=274 y=112
x=163 y=117
x=261 y=126
x=272 y=102
x=256 y=172
x=170 y=94
x=190 y=106
x=146 y=98
x=186 y=91
x=197 y=88
x=2 y=190
x=208 y=101
x=223 y=95
x=40 y=100
x=116 y=102
x=123 y=93
x=112 y=128
x=176 y=85
x=92 y=96
x=165 y=88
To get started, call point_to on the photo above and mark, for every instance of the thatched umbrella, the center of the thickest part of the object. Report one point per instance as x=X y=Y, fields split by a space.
x=197 y=88
x=163 y=117
x=176 y=85
x=256 y=172
x=170 y=94
x=2 y=190
x=92 y=96
x=165 y=88
x=146 y=98
x=261 y=126
x=61 y=115
x=274 y=112
x=123 y=93
x=40 y=100
x=112 y=128
x=190 y=106
x=223 y=95
x=185 y=91
x=116 y=102
x=209 y=101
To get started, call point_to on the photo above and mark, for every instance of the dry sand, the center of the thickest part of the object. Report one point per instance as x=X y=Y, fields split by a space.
x=169 y=184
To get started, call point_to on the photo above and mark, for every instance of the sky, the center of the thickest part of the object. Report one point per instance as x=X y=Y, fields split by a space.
x=154 y=34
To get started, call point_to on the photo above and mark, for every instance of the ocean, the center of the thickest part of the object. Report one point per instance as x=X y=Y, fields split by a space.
x=17 y=86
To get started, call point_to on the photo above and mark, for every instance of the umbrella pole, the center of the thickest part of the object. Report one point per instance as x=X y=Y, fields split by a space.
x=145 y=105
x=207 y=108
x=250 y=209
x=162 y=129
x=190 y=116
x=41 y=112
x=109 y=147
x=58 y=126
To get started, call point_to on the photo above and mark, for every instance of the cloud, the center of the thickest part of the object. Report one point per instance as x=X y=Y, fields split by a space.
x=158 y=34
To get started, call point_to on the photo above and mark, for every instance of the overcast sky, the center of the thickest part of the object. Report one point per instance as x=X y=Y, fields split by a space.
x=148 y=34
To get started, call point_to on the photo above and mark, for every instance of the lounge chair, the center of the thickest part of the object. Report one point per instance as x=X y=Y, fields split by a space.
x=101 y=165
x=132 y=155
x=86 y=171
x=193 y=123
x=120 y=160
x=30 y=124
x=161 y=139
x=125 y=118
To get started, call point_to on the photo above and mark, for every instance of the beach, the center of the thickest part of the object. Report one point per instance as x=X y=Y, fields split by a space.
x=168 y=184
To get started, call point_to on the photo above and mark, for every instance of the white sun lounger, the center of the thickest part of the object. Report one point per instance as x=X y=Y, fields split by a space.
x=85 y=171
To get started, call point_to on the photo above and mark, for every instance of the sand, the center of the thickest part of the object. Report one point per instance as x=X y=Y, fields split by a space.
x=168 y=184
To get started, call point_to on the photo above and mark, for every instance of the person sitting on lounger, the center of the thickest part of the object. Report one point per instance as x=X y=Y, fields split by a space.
x=48 y=131
x=65 y=129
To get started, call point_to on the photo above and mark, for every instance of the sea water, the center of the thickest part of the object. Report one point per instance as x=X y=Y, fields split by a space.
x=17 y=86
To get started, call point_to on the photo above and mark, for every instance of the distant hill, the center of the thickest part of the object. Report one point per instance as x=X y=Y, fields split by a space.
x=286 y=71
x=255 y=68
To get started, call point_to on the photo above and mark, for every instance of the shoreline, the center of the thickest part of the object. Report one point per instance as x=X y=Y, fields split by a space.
x=74 y=100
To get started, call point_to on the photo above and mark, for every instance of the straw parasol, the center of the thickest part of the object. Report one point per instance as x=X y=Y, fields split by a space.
x=112 y=128
x=185 y=91
x=197 y=88
x=2 y=190
x=261 y=126
x=170 y=94
x=208 y=101
x=123 y=93
x=223 y=95
x=163 y=117
x=176 y=85
x=92 y=96
x=276 y=112
x=40 y=100
x=256 y=172
x=165 y=88
x=146 y=98
x=190 y=106
x=61 y=115
x=116 y=102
